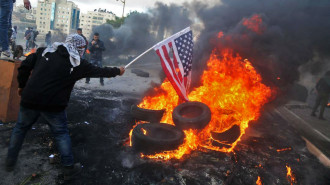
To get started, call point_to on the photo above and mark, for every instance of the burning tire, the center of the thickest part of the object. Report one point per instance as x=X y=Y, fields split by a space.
x=227 y=137
x=191 y=115
x=151 y=138
x=146 y=114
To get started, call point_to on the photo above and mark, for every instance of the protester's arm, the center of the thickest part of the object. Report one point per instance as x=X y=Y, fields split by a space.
x=91 y=47
x=86 y=69
x=25 y=69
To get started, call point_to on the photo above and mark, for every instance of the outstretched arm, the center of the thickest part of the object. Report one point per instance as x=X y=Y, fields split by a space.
x=86 y=69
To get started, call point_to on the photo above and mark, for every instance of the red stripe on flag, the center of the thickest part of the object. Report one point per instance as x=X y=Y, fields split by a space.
x=169 y=61
x=176 y=64
x=170 y=77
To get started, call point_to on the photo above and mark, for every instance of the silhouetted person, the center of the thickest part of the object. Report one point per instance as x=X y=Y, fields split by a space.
x=48 y=39
x=323 y=92
x=46 y=92
x=96 y=47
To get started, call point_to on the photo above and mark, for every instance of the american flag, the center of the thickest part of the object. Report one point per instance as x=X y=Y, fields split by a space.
x=176 y=54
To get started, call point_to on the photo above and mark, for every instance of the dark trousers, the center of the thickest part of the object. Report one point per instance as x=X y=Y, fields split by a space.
x=6 y=9
x=321 y=99
x=57 y=122
x=97 y=63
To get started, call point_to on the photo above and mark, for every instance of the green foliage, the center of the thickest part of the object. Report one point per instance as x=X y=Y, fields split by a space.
x=117 y=22
x=120 y=20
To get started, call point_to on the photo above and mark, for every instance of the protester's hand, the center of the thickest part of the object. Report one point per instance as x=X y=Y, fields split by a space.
x=97 y=46
x=19 y=91
x=122 y=70
x=93 y=42
x=27 y=4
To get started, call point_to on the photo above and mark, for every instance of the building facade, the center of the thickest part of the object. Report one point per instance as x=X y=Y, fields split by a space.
x=57 y=15
x=94 y=18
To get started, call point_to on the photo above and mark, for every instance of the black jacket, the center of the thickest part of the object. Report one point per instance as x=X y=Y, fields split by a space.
x=96 y=52
x=49 y=86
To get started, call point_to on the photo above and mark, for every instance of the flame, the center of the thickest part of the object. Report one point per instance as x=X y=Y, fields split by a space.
x=258 y=182
x=283 y=149
x=220 y=35
x=144 y=131
x=229 y=83
x=33 y=50
x=328 y=104
x=254 y=23
x=290 y=176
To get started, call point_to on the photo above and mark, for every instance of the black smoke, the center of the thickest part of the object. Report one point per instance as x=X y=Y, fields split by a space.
x=141 y=31
x=294 y=32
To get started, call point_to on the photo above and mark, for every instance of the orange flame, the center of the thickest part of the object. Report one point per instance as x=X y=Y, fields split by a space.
x=144 y=131
x=283 y=149
x=220 y=35
x=254 y=23
x=33 y=50
x=258 y=182
x=290 y=176
x=229 y=83
x=328 y=104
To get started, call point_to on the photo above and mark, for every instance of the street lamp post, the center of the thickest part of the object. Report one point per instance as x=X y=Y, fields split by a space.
x=123 y=1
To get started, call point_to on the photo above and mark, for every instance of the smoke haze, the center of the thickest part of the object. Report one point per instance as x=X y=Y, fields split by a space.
x=292 y=33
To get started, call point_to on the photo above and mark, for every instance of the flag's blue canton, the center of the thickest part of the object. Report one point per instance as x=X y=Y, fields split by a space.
x=185 y=45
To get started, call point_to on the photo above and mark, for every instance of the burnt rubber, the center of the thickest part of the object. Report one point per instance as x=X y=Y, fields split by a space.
x=229 y=136
x=146 y=114
x=191 y=115
x=159 y=137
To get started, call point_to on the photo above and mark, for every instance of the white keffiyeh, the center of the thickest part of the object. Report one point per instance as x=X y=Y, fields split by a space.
x=74 y=43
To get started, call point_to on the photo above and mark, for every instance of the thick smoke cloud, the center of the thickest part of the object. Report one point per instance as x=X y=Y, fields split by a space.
x=141 y=31
x=293 y=32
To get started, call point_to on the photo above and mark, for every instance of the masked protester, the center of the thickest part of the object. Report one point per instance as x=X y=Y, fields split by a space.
x=323 y=93
x=46 y=93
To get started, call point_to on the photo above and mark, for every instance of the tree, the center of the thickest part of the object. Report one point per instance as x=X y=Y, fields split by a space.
x=120 y=20
x=117 y=22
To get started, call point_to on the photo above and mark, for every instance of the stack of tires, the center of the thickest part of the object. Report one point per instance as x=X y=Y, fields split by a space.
x=154 y=137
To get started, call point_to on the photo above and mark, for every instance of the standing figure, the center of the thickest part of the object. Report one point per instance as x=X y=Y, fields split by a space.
x=323 y=93
x=96 y=47
x=46 y=92
x=13 y=38
x=48 y=39
x=27 y=36
x=6 y=10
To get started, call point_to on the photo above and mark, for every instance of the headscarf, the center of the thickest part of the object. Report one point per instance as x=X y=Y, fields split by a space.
x=74 y=43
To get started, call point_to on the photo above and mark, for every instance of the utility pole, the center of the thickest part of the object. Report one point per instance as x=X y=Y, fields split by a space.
x=124 y=2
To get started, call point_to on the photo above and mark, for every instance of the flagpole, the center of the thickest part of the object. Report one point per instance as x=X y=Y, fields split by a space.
x=139 y=57
x=154 y=47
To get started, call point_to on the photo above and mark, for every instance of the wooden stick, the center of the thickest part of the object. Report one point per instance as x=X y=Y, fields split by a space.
x=138 y=57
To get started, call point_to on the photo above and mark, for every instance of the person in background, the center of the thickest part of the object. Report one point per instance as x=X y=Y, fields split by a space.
x=48 y=39
x=96 y=47
x=46 y=92
x=323 y=93
x=6 y=9
x=79 y=32
x=35 y=34
x=27 y=36
x=13 y=38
